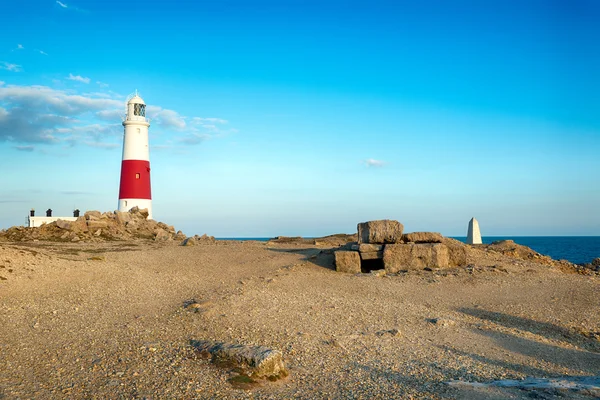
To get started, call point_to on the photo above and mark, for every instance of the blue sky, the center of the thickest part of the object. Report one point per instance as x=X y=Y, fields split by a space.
x=307 y=117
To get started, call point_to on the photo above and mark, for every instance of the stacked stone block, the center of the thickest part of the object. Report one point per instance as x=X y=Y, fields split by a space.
x=384 y=240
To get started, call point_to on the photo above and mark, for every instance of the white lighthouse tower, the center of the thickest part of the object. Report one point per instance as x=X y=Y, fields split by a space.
x=135 y=167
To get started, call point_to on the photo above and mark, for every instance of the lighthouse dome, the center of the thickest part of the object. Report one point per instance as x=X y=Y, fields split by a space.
x=136 y=109
x=136 y=100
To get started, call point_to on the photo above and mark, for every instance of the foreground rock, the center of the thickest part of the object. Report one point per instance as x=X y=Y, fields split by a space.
x=256 y=361
x=588 y=385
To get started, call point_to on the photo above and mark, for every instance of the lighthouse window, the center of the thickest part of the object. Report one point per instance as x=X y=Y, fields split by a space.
x=139 y=109
x=137 y=176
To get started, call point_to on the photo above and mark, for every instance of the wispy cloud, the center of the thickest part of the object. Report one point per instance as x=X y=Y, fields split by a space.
x=10 y=67
x=25 y=148
x=195 y=138
x=370 y=162
x=70 y=7
x=74 y=192
x=199 y=120
x=42 y=52
x=110 y=115
x=31 y=115
x=101 y=145
x=166 y=118
x=102 y=84
x=39 y=114
x=20 y=47
x=78 y=78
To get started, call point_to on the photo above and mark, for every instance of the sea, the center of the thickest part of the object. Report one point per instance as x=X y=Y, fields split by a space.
x=576 y=249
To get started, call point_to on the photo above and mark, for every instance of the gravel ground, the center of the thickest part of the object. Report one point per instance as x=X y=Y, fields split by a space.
x=109 y=320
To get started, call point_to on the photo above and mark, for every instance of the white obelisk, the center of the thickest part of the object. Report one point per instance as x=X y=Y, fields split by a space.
x=473 y=234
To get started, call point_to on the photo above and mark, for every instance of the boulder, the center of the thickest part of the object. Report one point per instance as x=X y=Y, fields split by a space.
x=161 y=235
x=347 y=261
x=380 y=232
x=79 y=225
x=205 y=239
x=423 y=237
x=144 y=212
x=596 y=262
x=189 y=242
x=62 y=224
x=122 y=217
x=168 y=228
x=397 y=257
x=256 y=361
x=92 y=215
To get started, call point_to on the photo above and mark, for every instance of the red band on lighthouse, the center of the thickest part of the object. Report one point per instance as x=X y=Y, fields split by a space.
x=135 y=180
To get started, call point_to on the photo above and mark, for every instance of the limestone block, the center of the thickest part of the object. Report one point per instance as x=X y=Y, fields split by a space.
x=398 y=257
x=96 y=224
x=161 y=234
x=381 y=231
x=347 y=261
x=473 y=233
x=63 y=224
x=92 y=215
x=369 y=248
x=423 y=237
x=79 y=225
x=257 y=361
x=122 y=217
x=457 y=252
x=371 y=255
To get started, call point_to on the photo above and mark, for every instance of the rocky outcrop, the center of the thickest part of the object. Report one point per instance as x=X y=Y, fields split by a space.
x=96 y=226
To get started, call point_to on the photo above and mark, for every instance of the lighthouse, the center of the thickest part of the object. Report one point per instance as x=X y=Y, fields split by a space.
x=134 y=190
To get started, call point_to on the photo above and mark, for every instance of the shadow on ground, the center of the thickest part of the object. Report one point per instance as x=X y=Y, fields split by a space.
x=545 y=329
x=319 y=257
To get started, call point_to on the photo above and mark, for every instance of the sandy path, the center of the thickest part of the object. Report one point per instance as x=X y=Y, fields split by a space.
x=73 y=327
